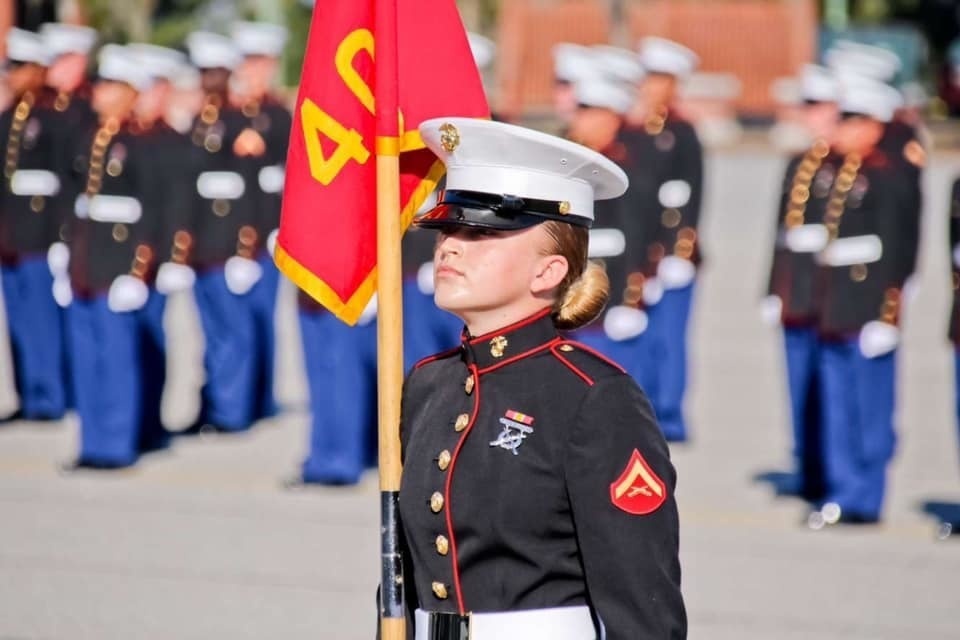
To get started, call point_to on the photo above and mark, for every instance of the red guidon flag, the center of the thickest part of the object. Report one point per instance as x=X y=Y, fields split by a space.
x=327 y=240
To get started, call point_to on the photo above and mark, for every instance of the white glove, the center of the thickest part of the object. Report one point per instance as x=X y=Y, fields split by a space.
x=173 y=277
x=241 y=274
x=675 y=273
x=771 y=311
x=910 y=289
x=58 y=259
x=272 y=241
x=127 y=293
x=369 y=312
x=878 y=339
x=622 y=323
x=425 y=281
x=62 y=292
x=652 y=291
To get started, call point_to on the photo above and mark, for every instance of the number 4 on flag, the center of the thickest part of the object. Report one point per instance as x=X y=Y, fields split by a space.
x=316 y=121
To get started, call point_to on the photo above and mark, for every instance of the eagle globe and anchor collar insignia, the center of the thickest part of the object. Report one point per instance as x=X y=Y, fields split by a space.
x=516 y=427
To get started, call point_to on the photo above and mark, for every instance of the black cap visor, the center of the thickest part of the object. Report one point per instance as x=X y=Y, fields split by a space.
x=491 y=211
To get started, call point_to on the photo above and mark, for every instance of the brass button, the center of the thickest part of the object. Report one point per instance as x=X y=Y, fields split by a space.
x=443 y=545
x=443 y=461
x=469 y=384
x=566 y=347
x=120 y=232
x=36 y=204
x=436 y=502
x=221 y=208
x=462 y=421
x=212 y=143
x=440 y=590
x=114 y=168
x=670 y=218
x=858 y=272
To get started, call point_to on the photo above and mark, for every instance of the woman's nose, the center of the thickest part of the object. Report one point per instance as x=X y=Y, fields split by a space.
x=448 y=244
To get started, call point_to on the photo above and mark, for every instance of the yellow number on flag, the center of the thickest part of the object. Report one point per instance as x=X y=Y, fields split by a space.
x=357 y=41
x=349 y=143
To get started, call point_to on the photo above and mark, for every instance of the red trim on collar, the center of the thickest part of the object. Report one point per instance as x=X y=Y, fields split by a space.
x=510 y=327
x=521 y=356
x=446 y=488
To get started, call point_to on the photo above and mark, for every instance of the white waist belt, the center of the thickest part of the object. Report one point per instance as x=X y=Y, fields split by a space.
x=845 y=252
x=806 y=238
x=106 y=208
x=561 y=623
x=34 y=182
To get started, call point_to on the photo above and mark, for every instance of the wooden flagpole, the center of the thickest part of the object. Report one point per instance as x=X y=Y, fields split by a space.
x=389 y=318
x=389 y=383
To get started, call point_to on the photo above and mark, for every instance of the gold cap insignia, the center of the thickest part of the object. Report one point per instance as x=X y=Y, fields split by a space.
x=563 y=208
x=449 y=137
x=497 y=345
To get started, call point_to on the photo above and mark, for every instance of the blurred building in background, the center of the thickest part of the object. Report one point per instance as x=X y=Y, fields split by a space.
x=746 y=46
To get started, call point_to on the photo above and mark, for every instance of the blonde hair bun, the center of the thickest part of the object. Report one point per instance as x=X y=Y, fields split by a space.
x=585 y=299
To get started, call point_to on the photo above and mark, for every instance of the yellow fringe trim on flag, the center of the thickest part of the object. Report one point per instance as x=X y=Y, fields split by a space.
x=349 y=310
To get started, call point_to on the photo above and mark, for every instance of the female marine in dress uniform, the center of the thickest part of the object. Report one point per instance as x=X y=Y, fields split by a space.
x=537 y=497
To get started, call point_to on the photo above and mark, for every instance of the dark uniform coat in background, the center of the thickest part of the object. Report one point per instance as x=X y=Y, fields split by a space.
x=804 y=195
x=535 y=476
x=220 y=215
x=883 y=200
x=272 y=121
x=29 y=218
x=666 y=150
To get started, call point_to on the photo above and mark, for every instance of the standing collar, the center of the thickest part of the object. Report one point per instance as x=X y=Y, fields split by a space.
x=509 y=343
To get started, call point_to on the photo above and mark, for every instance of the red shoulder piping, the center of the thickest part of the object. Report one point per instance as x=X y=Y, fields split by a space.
x=570 y=365
x=554 y=348
x=436 y=356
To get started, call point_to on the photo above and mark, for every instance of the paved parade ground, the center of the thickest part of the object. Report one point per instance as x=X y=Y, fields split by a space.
x=202 y=541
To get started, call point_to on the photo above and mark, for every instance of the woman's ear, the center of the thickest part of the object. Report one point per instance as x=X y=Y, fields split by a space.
x=548 y=273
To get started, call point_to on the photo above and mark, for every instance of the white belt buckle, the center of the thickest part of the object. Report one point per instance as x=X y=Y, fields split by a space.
x=220 y=185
